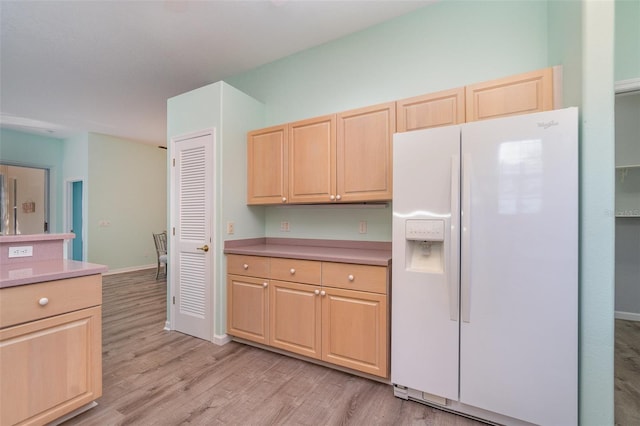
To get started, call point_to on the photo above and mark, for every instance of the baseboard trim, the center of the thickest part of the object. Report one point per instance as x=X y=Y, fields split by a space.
x=167 y=326
x=629 y=316
x=221 y=339
x=130 y=269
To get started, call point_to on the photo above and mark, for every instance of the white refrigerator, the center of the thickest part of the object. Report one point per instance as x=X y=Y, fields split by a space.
x=485 y=268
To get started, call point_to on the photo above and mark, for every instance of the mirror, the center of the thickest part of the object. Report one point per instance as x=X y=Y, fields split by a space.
x=24 y=200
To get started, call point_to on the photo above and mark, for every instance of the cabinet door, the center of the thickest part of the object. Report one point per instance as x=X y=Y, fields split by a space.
x=295 y=318
x=312 y=160
x=248 y=308
x=355 y=330
x=519 y=94
x=364 y=153
x=267 y=168
x=432 y=110
x=50 y=367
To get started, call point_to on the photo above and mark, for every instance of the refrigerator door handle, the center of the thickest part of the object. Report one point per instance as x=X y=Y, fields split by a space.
x=454 y=238
x=465 y=268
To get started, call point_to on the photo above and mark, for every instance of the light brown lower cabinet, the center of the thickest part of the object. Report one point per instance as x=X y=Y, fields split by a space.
x=52 y=366
x=321 y=318
x=248 y=308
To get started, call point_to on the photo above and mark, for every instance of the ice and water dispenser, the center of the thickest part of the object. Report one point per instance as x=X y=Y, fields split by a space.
x=425 y=245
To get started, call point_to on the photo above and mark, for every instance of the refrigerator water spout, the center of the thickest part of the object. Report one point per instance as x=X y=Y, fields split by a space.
x=425 y=240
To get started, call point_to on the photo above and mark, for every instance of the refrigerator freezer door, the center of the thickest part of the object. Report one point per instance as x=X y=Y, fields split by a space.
x=518 y=343
x=425 y=327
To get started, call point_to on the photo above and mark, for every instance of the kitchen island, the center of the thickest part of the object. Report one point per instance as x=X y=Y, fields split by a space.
x=50 y=330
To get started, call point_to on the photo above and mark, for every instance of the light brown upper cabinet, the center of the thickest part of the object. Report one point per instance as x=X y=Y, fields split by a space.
x=519 y=94
x=364 y=153
x=267 y=166
x=431 y=110
x=312 y=160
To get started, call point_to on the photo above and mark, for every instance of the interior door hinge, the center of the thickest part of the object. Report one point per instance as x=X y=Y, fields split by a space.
x=174 y=230
x=174 y=162
x=174 y=300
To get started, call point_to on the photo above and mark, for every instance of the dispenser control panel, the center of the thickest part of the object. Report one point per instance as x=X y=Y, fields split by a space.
x=424 y=230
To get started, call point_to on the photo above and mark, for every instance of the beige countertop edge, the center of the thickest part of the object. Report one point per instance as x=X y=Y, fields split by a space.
x=326 y=254
x=46 y=270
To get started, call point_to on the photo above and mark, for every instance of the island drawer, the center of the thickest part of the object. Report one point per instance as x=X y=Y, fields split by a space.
x=30 y=302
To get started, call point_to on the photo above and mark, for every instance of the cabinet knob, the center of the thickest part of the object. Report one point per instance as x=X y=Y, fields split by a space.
x=43 y=301
x=284 y=199
x=316 y=292
x=332 y=197
x=351 y=277
x=338 y=197
x=293 y=271
x=265 y=284
x=323 y=293
x=245 y=266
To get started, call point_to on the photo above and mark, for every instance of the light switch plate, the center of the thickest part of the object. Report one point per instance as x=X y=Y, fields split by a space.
x=23 y=251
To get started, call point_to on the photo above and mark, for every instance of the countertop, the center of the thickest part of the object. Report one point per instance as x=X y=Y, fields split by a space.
x=46 y=270
x=358 y=252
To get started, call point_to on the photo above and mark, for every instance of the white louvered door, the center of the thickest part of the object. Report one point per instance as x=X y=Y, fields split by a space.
x=193 y=242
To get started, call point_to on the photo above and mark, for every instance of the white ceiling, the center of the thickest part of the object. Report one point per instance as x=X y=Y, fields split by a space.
x=110 y=66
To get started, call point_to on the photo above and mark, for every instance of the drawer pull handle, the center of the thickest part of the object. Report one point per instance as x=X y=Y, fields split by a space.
x=316 y=292
x=43 y=301
x=323 y=293
x=245 y=266
x=293 y=271
x=351 y=277
x=265 y=285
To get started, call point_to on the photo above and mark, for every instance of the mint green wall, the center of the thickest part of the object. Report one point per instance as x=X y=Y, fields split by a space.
x=627 y=33
x=231 y=113
x=331 y=222
x=127 y=187
x=26 y=149
x=596 y=215
x=582 y=34
x=442 y=46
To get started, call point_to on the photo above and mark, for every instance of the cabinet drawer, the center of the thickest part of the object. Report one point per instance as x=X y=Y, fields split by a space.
x=301 y=271
x=355 y=277
x=27 y=302
x=253 y=266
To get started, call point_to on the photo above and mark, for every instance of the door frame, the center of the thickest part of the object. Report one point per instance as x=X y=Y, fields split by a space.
x=68 y=215
x=172 y=276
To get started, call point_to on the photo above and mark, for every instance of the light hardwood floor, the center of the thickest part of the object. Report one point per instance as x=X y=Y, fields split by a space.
x=627 y=371
x=157 y=377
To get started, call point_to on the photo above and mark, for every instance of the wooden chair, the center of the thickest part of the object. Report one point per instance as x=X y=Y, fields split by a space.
x=160 y=241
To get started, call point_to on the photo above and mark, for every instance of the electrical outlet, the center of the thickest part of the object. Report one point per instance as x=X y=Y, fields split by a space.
x=23 y=251
x=231 y=228
x=284 y=226
x=363 y=227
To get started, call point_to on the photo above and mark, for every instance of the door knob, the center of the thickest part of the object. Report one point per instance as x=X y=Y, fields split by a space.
x=204 y=248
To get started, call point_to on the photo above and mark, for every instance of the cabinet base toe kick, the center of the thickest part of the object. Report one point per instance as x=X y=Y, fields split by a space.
x=319 y=362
